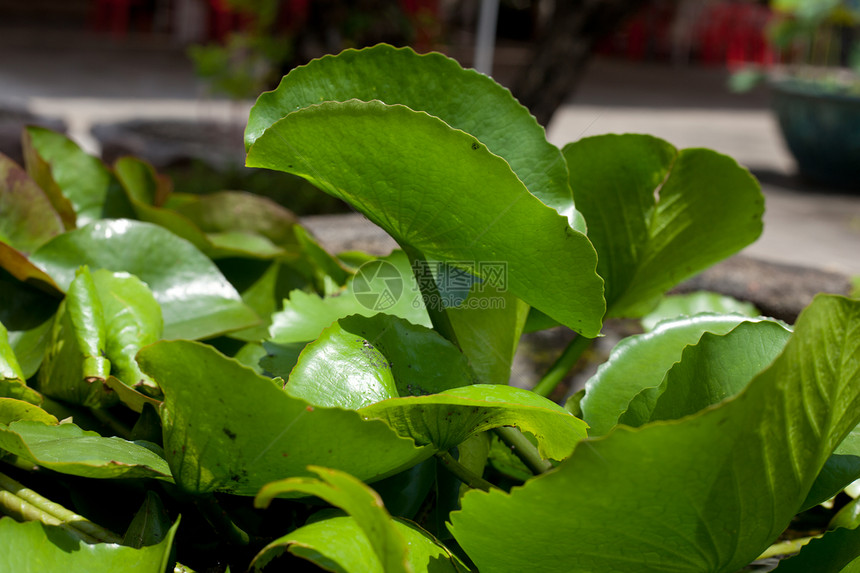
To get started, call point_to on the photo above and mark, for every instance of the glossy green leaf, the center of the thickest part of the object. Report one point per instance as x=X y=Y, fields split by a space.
x=75 y=368
x=68 y=449
x=29 y=345
x=196 y=300
x=640 y=362
x=27 y=218
x=753 y=458
x=362 y=503
x=450 y=417
x=83 y=179
x=450 y=199
x=384 y=285
x=715 y=368
x=13 y=383
x=33 y=547
x=482 y=107
x=12 y=410
x=229 y=429
x=132 y=320
x=690 y=304
x=359 y=361
x=708 y=208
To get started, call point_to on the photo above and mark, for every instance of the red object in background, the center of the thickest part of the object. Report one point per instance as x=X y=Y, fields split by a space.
x=113 y=16
x=424 y=15
x=733 y=34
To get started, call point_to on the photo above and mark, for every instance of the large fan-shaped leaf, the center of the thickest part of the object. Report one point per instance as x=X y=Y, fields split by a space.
x=705 y=493
x=33 y=547
x=480 y=107
x=227 y=428
x=195 y=298
x=449 y=198
x=708 y=208
x=70 y=450
x=640 y=362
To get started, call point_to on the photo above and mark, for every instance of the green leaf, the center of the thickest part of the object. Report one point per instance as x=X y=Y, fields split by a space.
x=835 y=552
x=12 y=410
x=27 y=218
x=196 y=300
x=75 y=368
x=449 y=198
x=384 y=285
x=13 y=383
x=29 y=345
x=359 y=361
x=709 y=208
x=715 y=368
x=229 y=429
x=450 y=417
x=359 y=501
x=83 y=179
x=479 y=106
x=640 y=362
x=19 y=266
x=690 y=304
x=68 y=449
x=842 y=468
x=33 y=547
x=339 y=544
x=753 y=459
x=132 y=320
x=150 y=525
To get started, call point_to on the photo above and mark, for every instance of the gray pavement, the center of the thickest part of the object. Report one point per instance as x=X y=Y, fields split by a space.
x=87 y=80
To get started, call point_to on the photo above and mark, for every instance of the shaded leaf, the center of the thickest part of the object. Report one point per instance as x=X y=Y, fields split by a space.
x=450 y=417
x=13 y=383
x=150 y=525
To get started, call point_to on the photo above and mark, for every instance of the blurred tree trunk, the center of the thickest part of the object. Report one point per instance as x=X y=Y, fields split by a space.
x=563 y=50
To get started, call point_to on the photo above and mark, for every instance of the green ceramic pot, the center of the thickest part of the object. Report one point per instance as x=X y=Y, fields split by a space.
x=821 y=126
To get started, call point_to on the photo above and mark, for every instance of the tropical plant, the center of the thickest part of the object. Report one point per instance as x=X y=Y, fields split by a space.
x=165 y=355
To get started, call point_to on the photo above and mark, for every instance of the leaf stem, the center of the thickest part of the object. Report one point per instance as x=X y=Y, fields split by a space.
x=220 y=521
x=567 y=360
x=431 y=297
x=523 y=449
x=462 y=473
x=17 y=500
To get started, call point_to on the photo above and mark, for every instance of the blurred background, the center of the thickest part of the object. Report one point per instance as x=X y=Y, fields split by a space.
x=171 y=81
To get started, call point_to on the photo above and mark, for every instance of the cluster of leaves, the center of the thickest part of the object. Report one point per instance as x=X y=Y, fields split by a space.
x=203 y=351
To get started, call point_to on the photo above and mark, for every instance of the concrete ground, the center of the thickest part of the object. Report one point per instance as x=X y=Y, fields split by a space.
x=87 y=79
